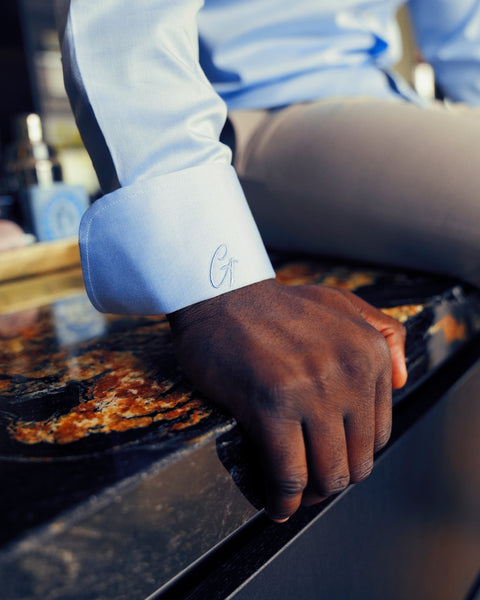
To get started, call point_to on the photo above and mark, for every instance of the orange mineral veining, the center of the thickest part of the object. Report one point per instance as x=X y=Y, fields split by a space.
x=122 y=400
x=403 y=313
x=453 y=330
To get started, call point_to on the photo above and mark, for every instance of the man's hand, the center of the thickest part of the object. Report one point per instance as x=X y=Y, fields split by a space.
x=307 y=371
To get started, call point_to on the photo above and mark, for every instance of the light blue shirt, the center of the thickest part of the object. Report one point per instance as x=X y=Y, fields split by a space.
x=150 y=82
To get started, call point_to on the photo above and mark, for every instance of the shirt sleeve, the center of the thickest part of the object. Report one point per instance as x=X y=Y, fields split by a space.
x=173 y=227
x=448 y=35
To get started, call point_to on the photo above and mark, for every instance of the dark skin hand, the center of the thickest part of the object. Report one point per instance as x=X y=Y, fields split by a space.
x=308 y=373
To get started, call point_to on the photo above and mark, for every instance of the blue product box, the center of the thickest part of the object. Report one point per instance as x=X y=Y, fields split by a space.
x=54 y=212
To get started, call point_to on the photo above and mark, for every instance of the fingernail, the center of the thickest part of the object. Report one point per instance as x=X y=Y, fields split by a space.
x=277 y=519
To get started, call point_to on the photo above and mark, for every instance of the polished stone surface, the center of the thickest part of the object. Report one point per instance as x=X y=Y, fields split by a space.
x=116 y=474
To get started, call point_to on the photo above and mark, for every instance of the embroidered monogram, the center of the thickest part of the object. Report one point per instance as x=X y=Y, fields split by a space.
x=221 y=268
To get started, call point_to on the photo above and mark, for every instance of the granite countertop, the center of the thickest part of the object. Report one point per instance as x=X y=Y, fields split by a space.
x=95 y=413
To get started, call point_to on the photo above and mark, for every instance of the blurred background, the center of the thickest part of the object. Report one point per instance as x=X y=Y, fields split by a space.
x=31 y=81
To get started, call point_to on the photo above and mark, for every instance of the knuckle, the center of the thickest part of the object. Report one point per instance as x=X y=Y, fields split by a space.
x=382 y=437
x=334 y=484
x=356 y=363
x=381 y=361
x=392 y=322
x=284 y=391
x=291 y=486
x=379 y=344
x=362 y=470
x=399 y=329
x=284 y=398
x=278 y=393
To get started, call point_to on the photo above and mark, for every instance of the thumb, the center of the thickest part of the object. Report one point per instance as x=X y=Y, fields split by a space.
x=394 y=333
x=396 y=343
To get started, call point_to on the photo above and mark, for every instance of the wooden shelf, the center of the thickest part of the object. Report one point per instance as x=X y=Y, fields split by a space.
x=39 y=258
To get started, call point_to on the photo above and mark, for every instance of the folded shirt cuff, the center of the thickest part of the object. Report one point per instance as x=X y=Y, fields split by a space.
x=162 y=244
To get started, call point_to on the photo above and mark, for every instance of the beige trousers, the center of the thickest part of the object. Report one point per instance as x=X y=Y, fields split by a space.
x=379 y=181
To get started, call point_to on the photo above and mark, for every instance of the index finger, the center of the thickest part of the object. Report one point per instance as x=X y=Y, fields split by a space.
x=393 y=331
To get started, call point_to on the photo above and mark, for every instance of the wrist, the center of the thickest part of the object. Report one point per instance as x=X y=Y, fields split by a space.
x=213 y=308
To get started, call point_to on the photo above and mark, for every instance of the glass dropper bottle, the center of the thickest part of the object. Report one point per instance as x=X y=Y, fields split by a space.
x=30 y=160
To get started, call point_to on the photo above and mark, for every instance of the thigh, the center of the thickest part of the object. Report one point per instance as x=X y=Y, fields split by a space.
x=378 y=181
